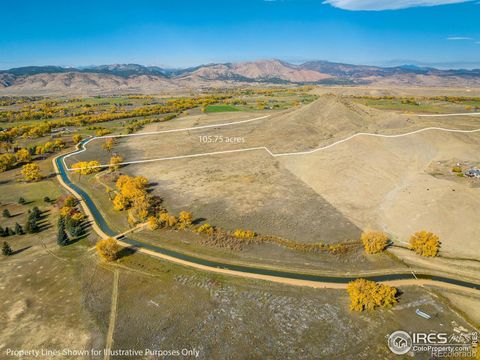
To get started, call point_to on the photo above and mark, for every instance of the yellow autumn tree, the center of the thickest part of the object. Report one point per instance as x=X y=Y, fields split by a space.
x=374 y=241
x=185 y=219
x=115 y=160
x=77 y=138
x=31 y=172
x=425 y=243
x=108 y=249
x=369 y=295
x=23 y=155
x=167 y=220
x=86 y=168
x=244 y=234
x=153 y=223
x=7 y=161
x=206 y=229
x=108 y=144
x=120 y=202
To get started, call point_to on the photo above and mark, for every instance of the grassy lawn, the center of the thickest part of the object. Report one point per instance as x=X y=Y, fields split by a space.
x=220 y=108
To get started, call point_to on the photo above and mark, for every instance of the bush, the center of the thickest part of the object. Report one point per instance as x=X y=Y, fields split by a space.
x=21 y=201
x=205 y=229
x=167 y=220
x=153 y=223
x=70 y=201
x=369 y=295
x=6 y=249
x=374 y=241
x=244 y=234
x=457 y=169
x=108 y=249
x=425 y=243
x=185 y=218
x=6 y=213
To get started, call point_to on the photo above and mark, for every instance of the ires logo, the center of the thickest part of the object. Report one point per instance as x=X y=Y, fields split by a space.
x=401 y=342
x=435 y=343
x=429 y=339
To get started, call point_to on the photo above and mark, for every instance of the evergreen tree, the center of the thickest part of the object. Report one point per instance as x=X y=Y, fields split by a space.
x=6 y=249
x=21 y=201
x=62 y=238
x=46 y=199
x=36 y=213
x=8 y=232
x=18 y=229
x=6 y=213
x=31 y=226
x=2 y=232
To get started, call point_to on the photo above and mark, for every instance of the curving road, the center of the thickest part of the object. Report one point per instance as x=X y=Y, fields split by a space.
x=281 y=276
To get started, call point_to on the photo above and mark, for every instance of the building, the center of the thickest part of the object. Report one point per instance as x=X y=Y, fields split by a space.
x=473 y=173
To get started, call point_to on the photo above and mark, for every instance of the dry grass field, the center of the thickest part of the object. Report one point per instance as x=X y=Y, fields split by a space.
x=327 y=196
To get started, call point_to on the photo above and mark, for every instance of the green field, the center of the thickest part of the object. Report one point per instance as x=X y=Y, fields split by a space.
x=220 y=108
x=420 y=105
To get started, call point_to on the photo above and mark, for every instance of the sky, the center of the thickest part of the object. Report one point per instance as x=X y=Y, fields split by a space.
x=181 y=33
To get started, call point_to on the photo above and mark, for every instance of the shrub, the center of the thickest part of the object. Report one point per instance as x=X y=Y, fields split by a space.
x=374 y=241
x=153 y=223
x=185 y=217
x=425 y=243
x=369 y=295
x=108 y=249
x=70 y=201
x=6 y=213
x=205 y=229
x=47 y=199
x=244 y=234
x=457 y=169
x=167 y=220
x=21 y=201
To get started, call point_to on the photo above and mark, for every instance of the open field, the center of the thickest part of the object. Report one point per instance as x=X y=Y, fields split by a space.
x=391 y=176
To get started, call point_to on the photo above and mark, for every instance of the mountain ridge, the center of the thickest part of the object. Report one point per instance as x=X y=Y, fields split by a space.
x=135 y=77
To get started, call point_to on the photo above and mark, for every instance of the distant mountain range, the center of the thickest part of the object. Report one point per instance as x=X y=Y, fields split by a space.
x=139 y=78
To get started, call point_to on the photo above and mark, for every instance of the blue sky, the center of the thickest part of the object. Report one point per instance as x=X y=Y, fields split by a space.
x=178 y=33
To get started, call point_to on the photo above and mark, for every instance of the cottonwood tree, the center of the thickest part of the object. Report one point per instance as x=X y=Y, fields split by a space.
x=23 y=155
x=425 y=243
x=369 y=295
x=77 y=138
x=31 y=172
x=108 y=249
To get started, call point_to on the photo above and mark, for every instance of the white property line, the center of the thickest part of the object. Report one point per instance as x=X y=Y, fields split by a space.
x=154 y=133
x=455 y=114
x=253 y=148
